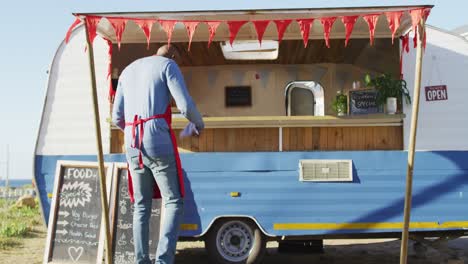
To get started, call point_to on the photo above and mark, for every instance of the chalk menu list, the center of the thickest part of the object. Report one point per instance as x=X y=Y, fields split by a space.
x=78 y=216
x=122 y=232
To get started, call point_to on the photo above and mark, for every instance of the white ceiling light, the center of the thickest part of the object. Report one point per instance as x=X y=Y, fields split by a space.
x=250 y=50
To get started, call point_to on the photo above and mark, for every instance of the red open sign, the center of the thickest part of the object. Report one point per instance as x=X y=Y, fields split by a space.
x=436 y=93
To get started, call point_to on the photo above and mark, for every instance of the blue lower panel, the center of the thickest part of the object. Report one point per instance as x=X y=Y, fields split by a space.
x=271 y=193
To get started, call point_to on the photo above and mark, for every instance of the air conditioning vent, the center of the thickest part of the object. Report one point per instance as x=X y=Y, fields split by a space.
x=326 y=170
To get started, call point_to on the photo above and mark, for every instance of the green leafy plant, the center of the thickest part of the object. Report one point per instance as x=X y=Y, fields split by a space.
x=387 y=86
x=340 y=104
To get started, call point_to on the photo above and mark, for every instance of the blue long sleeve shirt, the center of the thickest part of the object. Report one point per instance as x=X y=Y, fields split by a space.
x=144 y=89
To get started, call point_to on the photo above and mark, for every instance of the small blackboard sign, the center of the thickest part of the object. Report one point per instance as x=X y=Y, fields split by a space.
x=121 y=211
x=74 y=232
x=362 y=102
x=238 y=96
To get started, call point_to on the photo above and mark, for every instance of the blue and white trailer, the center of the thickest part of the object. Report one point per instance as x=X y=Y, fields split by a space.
x=259 y=172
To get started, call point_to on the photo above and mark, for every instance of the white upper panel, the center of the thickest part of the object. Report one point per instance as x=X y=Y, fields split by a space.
x=67 y=125
x=443 y=125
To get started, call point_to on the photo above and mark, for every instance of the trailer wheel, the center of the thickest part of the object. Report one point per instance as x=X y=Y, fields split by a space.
x=235 y=241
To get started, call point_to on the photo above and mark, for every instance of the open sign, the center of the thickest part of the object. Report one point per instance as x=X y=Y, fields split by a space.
x=436 y=93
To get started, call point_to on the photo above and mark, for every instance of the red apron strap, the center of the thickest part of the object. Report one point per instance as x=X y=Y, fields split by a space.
x=168 y=118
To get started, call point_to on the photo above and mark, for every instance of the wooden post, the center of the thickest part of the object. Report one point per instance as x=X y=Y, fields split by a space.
x=412 y=143
x=100 y=156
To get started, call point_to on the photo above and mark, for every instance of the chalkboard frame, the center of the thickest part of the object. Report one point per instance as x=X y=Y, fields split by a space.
x=61 y=165
x=350 y=112
x=114 y=204
x=231 y=102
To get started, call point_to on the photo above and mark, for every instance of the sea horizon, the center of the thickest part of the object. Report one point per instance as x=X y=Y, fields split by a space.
x=16 y=182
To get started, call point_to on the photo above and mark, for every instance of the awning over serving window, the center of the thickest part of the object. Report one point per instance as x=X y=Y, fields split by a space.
x=208 y=26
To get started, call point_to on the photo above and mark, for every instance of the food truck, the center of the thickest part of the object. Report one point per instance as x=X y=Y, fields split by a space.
x=276 y=161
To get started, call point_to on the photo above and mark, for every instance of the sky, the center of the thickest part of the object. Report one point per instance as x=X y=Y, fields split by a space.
x=32 y=30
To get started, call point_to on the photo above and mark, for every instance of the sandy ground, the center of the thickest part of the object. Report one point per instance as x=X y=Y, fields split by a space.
x=368 y=251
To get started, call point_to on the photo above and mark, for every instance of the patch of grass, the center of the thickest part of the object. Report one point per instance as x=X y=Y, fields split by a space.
x=16 y=223
x=7 y=243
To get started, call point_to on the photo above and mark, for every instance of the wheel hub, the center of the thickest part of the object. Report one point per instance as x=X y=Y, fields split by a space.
x=234 y=241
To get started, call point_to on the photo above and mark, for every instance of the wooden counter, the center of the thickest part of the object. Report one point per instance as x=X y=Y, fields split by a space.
x=295 y=121
x=282 y=133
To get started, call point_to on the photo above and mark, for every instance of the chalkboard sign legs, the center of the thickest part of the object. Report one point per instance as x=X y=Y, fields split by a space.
x=420 y=30
x=102 y=182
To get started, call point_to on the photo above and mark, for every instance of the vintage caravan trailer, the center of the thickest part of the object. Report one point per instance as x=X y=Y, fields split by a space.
x=275 y=162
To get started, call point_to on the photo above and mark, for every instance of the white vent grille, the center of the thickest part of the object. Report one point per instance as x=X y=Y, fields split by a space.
x=326 y=170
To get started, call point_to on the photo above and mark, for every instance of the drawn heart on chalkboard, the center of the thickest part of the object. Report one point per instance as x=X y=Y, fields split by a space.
x=75 y=253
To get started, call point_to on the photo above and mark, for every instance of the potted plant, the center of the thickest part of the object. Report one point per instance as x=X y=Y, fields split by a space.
x=390 y=91
x=340 y=104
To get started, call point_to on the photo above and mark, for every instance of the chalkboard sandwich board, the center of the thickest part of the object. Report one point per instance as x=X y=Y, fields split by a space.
x=363 y=101
x=74 y=234
x=121 y=213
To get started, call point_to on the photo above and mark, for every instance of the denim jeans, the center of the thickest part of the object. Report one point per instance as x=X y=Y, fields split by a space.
x=164 y=171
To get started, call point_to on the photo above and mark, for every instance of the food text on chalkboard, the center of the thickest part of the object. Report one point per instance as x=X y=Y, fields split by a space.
x=74 y=230
x=363 y=102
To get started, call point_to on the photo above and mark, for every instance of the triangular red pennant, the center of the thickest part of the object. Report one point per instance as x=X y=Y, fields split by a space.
x=305 y=24
x=281 y=26
x=260 y=27
x=234 y=27
x=119 y=27
x=168 y=27
x=327 y=23
x=349 y=22
x=416 y=16
x=394 y=19
x=212 y=27
x=70 y=30
x=146 y=25
x=91 y=23
x=371 y=22
x=191 y=26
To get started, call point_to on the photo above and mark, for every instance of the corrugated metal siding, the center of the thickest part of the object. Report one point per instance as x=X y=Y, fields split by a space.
x=443 y=125
x=67 y=125
x=270 y=190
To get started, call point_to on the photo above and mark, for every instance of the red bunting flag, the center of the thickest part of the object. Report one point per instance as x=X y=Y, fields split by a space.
x=417 y=15
x=234 y=27
x=168 y=27
x=305 y=24
x=67 y=37
x=371 y=22
x=109 y=71
x=349 y=22
x=281 y=26
x=327 y=23
x=404 y=47
x=405 y=43
x=415 y=39
x=91 y=24
x=394 y=19
x=146 y=25
x=191 y=26
x=260 y=27
x=119 y=27
x=212 y=27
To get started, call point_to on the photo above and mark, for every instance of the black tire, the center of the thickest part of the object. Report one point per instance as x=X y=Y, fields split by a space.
x=235 y=241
